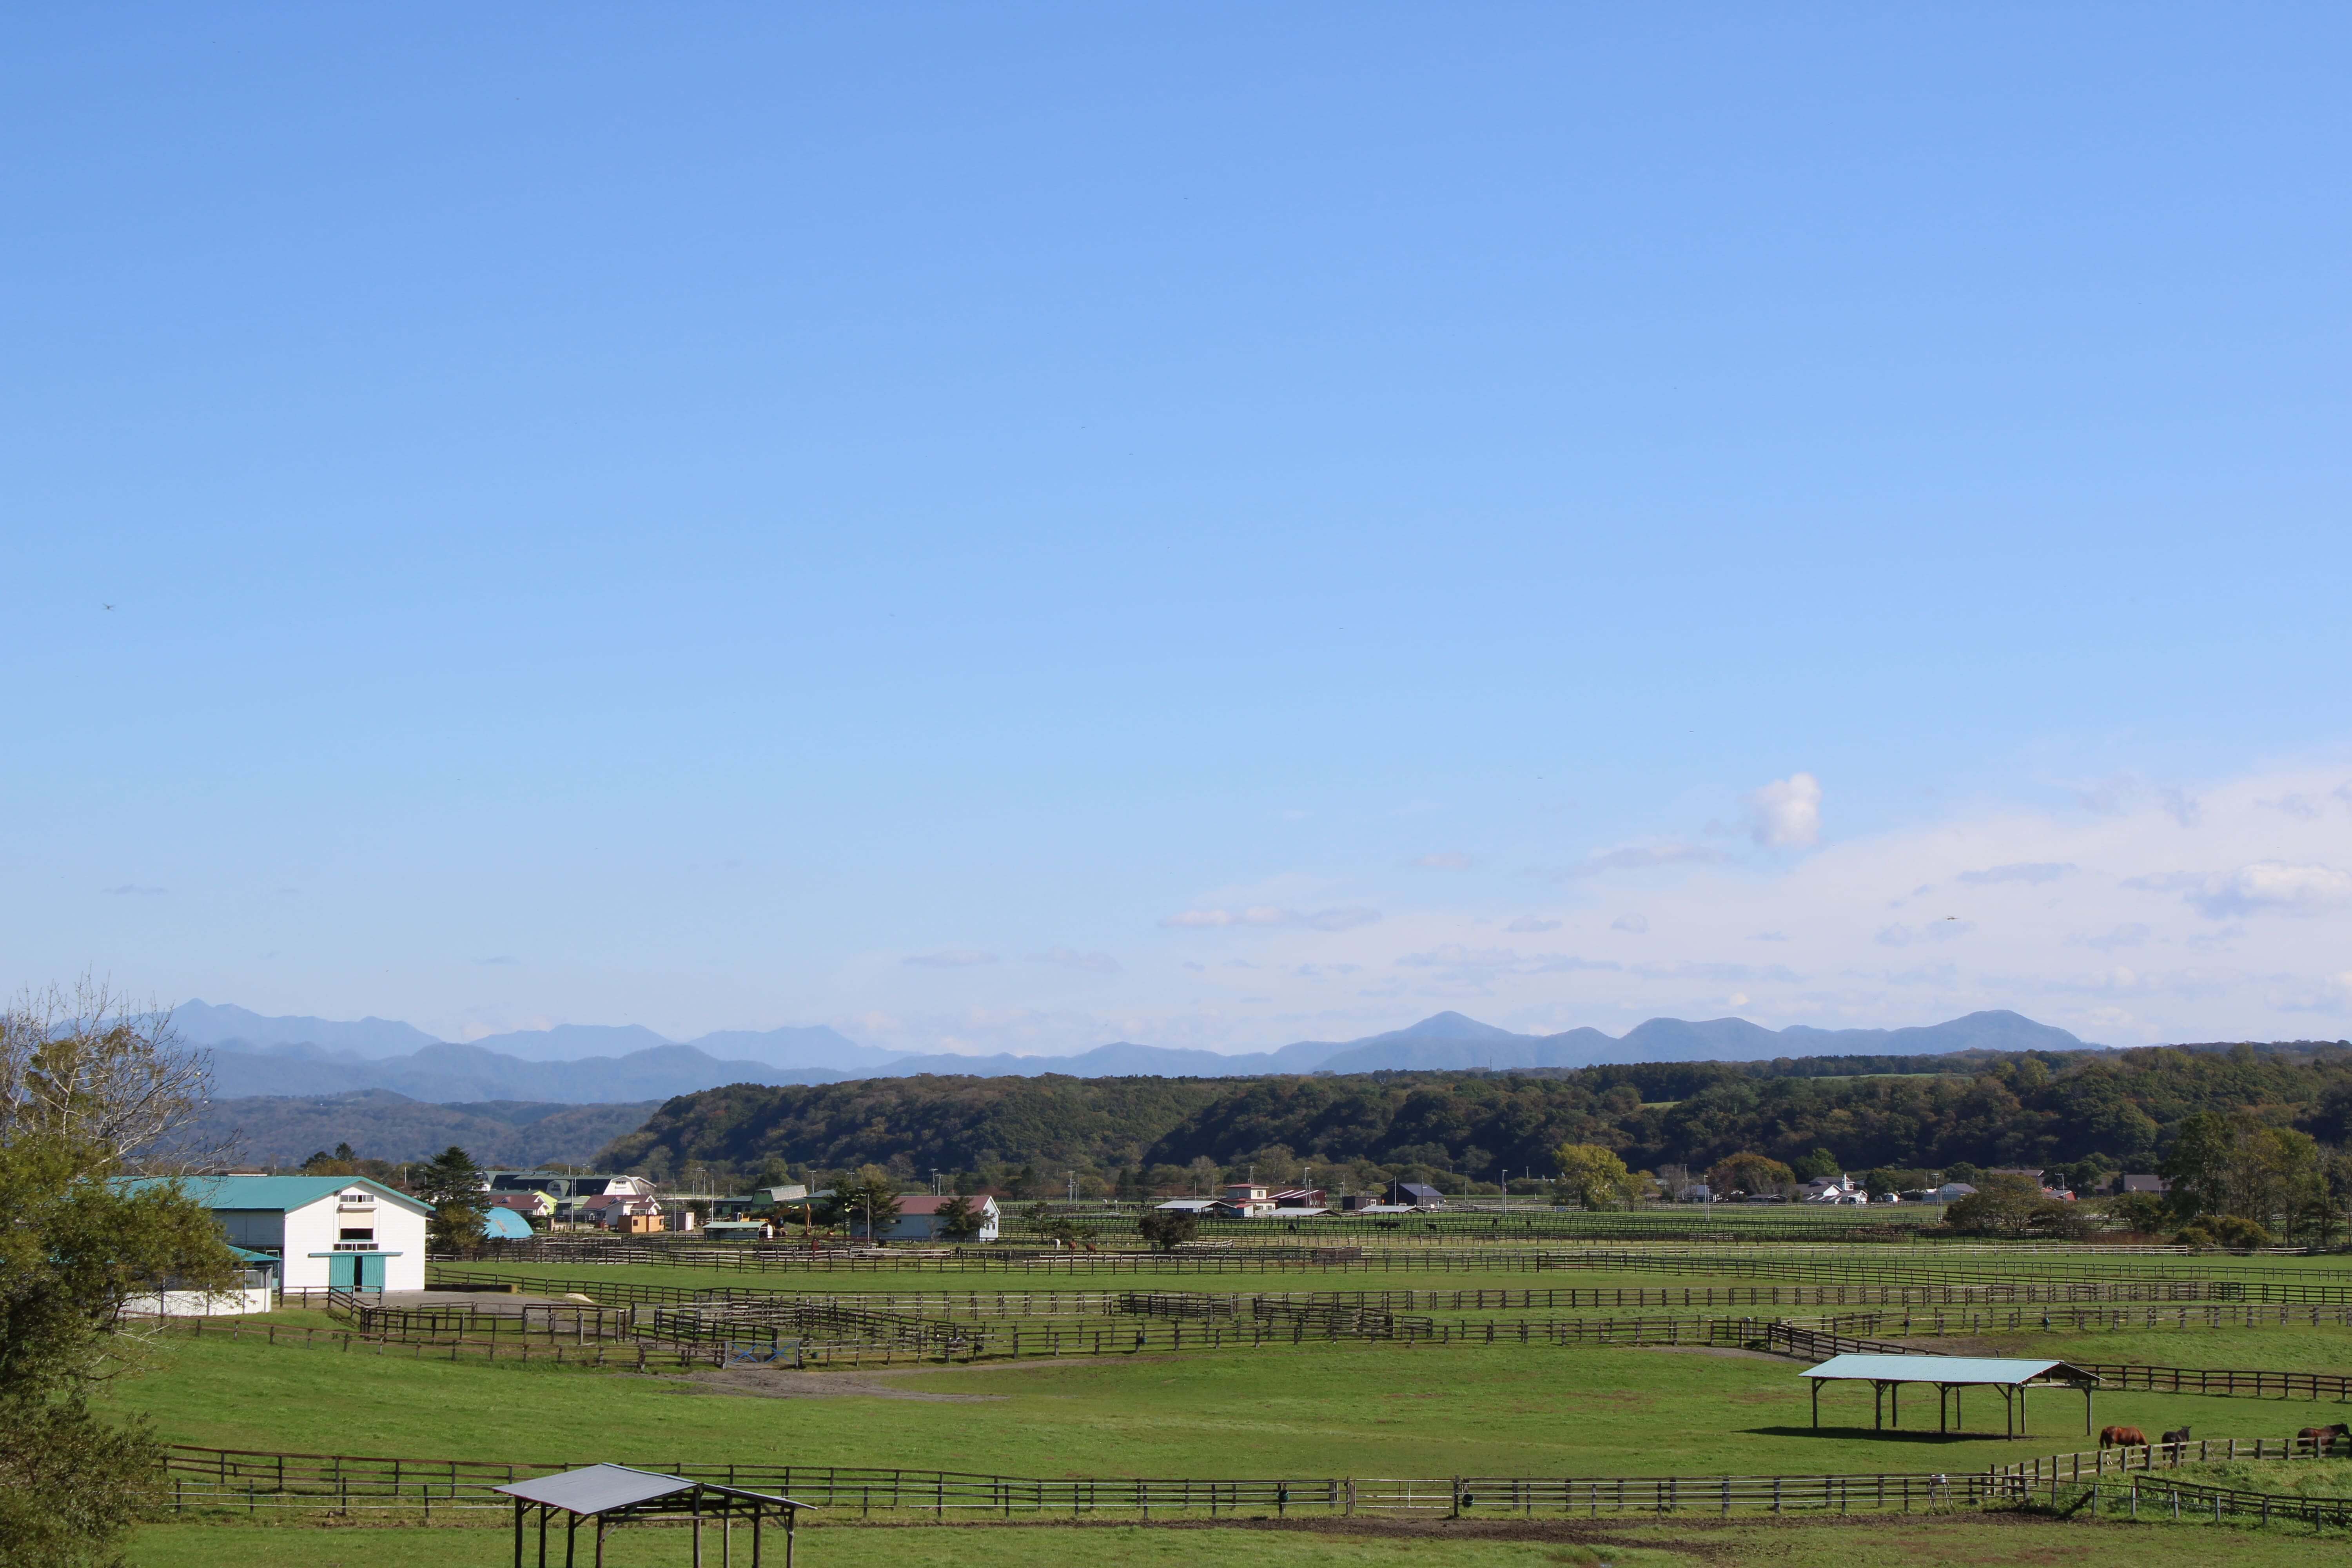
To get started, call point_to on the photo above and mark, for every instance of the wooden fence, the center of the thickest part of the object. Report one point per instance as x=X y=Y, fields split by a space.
x=637 y=1356
x=251 y=1481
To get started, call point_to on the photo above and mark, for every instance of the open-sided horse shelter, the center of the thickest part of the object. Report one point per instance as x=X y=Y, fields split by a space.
x=614 y=1495
x=1951 y=1374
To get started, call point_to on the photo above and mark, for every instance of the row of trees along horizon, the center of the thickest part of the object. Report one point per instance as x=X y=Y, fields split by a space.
x=2255 y=1133
x=2253 y=1138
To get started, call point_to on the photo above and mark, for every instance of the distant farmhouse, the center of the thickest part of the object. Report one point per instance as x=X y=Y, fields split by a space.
x=923 y=1217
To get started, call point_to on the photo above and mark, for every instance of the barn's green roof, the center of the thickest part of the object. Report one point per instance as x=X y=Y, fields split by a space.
x=270 y=1193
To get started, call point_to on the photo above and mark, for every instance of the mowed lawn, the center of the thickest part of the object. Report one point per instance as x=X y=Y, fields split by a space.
x=1113 y=1546
x=1381 y=1410
x=1859 y=1541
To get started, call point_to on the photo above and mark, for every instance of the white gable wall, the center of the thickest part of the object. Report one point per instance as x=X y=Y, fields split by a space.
x=314 y=1234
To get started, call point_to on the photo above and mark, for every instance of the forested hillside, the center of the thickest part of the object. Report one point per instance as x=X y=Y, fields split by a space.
x=282 y=1131
x=2098 y=1109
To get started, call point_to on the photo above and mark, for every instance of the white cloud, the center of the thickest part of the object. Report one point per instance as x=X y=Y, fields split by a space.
x=1071 y=958
x=1944 y=930
x=2274 y=886
x=1635 y=923
x=1202 y=919
x=1344 y=918
x=1786 y=811
x=133 y=890
x=1532 y=923
x=1640 y=858
x=2033 y=873
x=1444 y=860
x=2131 y=933
x=949 y=958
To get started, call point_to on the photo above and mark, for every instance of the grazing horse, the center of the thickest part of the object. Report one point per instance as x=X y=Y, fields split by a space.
x=2177 y=1441
x=2122 y=1437
x=2323 y=1439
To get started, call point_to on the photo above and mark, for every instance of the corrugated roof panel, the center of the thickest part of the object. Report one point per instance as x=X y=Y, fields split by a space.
x=1942 y=1369
x=271 y=1192
x=599 y=1488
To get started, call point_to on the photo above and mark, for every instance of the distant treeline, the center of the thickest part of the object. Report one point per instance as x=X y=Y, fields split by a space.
x=2087 y=1111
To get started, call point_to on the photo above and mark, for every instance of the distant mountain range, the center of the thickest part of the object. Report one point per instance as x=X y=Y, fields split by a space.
x=594 y=1064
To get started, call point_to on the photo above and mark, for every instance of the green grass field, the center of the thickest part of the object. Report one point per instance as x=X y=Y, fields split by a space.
x=1861 y=1541
x=1359 y=1409
x=1315 y=1411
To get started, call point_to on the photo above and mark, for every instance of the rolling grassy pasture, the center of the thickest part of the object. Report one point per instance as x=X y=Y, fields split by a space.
x=1314 y=1410
x=1860 y=1542
x=1317 y=1410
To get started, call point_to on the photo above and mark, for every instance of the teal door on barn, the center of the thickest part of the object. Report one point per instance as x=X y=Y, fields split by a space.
x=343 y=1271
x=371 y=1270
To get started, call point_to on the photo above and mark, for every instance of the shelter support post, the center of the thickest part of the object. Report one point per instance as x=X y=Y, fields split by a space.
x=2087 y=1427
x=519 y=1506
x=1817 y=1404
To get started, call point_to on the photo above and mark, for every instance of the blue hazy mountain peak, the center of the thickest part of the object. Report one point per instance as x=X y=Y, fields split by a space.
x=586 y=1063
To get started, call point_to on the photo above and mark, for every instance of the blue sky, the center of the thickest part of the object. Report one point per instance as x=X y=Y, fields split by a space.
x=1019 y=526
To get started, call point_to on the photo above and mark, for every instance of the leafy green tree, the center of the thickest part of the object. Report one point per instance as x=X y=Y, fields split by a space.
x=453 y=1185
x=1748 y=1172
x=2142 y=1212
x=868 y=1201
x=2003 y=1205
x=961 y=1219
x=1818 y=1163
x=1592 y=1177
x=2223 y=1230
x=89 y=1094
x=1168 y=1229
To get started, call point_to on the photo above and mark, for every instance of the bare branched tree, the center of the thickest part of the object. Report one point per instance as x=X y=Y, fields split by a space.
x=107 y=1077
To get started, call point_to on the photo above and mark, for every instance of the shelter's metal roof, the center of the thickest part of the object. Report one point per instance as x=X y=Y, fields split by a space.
x=599 y=1488
x=1946 y=1369
x=270 y=1193
x=602 y=1489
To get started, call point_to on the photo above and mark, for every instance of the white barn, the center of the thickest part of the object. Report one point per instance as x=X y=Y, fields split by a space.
x=342 y=1232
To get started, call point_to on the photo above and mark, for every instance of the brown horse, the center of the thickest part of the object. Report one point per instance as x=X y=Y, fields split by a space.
x=2323 y=1439
x=2122 y=1437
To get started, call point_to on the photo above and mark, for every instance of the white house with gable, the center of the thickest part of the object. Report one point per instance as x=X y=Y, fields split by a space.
x=346 y=1233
